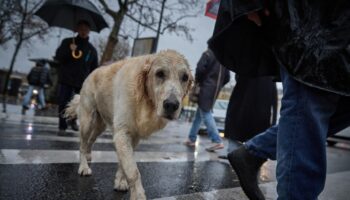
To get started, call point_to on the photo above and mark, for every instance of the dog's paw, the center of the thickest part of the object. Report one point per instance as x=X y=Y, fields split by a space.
x=137 y=196
x=84 y=171
x=121 y=185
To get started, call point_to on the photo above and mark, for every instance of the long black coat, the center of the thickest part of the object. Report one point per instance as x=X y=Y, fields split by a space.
x=73 y=71
x=311 y=39
x=211 y=77
x=252 y=108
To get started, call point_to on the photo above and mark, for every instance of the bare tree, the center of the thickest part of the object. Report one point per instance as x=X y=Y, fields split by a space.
x=120 y=51
x=21 y=25
x=5 y=15
x=13 y=13
x=149 y=14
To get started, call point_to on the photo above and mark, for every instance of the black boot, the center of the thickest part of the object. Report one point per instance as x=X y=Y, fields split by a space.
x=247 y=167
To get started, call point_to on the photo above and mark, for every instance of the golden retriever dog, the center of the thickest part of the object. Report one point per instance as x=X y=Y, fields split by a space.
x=134 y=98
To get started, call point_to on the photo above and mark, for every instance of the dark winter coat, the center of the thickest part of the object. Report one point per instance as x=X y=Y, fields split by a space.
x=311 y=39
x=39 y=76
x=73 y=71
x=252 y=108
x=211 y=77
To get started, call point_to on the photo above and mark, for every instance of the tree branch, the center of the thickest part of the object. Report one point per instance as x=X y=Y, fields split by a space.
x=109 y=11
x=120 y=3
x=5 y=39
x=35 y=33
x=147 y=6
x=141 y=23
x=132 y=2
x=36 y=6
x=175 y=22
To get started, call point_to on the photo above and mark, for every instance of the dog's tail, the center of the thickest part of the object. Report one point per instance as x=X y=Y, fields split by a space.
x=72 y=110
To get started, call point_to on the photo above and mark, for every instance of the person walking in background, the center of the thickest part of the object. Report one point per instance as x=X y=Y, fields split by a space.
x=77 y=60
x=211 y=77
x=38 y=77
x=251 y=110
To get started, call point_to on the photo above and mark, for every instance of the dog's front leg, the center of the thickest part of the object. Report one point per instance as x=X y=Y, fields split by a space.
x=123 y=144
x=120 y=182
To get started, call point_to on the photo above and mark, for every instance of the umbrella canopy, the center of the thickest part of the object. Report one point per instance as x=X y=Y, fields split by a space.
x=67 y=13
x=212 y=8
x=44 y=60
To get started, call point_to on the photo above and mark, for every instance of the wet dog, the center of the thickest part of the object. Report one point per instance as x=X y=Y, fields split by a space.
x=134 y=98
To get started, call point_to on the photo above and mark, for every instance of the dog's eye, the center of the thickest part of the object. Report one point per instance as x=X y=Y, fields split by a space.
x=160 y=74
x=184 y=78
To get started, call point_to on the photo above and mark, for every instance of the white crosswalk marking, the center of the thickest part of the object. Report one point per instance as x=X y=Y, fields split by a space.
x=33 y=154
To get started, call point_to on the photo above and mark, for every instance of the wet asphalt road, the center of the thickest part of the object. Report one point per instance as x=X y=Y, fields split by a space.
x=61 y=181
x=196 y=171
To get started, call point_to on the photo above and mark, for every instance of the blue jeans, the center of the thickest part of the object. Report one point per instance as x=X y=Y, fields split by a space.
x=209 y=122
x=298 y=142
x=28 y=96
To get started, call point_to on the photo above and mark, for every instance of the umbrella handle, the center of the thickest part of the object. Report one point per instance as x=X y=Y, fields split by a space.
x=76 y=54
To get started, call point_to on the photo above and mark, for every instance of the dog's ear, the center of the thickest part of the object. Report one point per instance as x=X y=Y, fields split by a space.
x=141 y=80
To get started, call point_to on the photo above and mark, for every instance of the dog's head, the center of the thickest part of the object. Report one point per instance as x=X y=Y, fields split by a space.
x=167 y=80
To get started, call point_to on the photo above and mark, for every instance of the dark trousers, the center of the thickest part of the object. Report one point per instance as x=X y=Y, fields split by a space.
x=65 y=94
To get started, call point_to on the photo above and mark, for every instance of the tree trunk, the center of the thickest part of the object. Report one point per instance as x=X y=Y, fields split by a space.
x=7 y=79
x=113 y=37
x=14 y=56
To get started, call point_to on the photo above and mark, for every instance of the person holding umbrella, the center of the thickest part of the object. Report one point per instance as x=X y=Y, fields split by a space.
x=77 y=61
x=76 y=55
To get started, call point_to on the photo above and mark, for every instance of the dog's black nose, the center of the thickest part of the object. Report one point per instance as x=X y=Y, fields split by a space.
x=171 y=106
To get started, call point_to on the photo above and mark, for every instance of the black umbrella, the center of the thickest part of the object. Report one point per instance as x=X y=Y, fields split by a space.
x=67 y=13
x=44 y=60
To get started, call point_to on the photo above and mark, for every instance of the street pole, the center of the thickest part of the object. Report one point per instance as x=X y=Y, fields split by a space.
x=159 y=27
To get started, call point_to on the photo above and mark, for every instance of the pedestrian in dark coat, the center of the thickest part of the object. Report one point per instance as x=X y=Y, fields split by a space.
x=38 y=77
x=77 y=61
x=211 y=77
x=308 y=42
x=72 y=71
x=251 y=110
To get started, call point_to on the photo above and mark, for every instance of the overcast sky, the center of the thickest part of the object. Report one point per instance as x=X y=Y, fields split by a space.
x=202 y=25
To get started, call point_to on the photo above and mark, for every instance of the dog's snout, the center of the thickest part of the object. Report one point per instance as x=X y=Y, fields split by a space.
x=171 y=105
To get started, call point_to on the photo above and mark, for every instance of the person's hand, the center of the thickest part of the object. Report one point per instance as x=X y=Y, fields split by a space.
x=254 y=17
x=73 y=47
